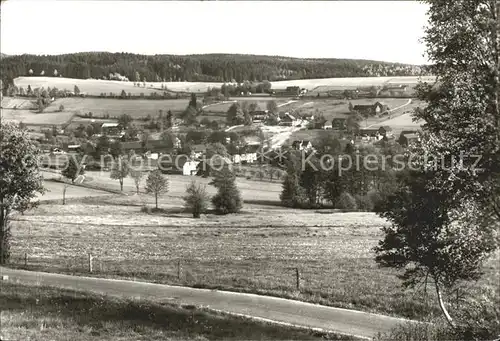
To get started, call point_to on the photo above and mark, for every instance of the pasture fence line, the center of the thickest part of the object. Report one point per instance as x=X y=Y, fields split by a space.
x=196 y=272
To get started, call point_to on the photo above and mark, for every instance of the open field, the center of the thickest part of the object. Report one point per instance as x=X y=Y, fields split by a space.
x=310 y=84
x=260 y=101
x=88 y=86
x=42 y=313
x=95 y=87
x=403 y=122
x=18 y=103
x=332 y=108
x=55 y=190
x=251 y=191
x=333 y=251
x=116 y=107
x=32 y=118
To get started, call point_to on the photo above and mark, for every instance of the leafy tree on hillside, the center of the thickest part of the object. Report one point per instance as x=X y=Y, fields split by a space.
x=123 y=94
x=120 y=170
x=440 y=241
x=235 y=115
x=196 y=199
x=124 y=120
x=272 y=106
x=136 y=172
x=30 y=72
x=116 y=149
x=228 y=198
x=73 y=169
x=20 y=181
x=445 y=216
x=157 y=184
x=169 y=119
x=189 y=116
x=76 y=90
x=193 y=102
x=292 y=194
x=55 y=73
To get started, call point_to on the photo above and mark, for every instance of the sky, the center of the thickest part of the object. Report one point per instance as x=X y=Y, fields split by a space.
x=376 y=30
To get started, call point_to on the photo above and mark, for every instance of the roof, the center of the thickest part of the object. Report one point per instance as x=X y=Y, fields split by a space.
x=411 y=136
x=362 y=106
x=368 y=130
x=386 y=128
x=251 y=148
x=258 y=112
x=109 y=125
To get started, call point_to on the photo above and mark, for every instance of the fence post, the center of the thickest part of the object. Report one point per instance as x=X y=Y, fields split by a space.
x=178 y=269
x=298 y=278
x=25 y=259
x=90 y=263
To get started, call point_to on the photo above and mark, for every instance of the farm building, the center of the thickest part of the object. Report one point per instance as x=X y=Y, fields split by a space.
x=394 y=90
x=376 y=108
x=248 y=154
x=178 y=164
x=369 y=131
x=328 y=125
x=290 y=91
x=112 y=129
x=407 y=139
x=385 y=131
x=258 y=116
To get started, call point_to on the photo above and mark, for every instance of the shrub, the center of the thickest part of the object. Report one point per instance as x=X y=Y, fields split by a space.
x=364 y=203
x=418 y=332
x=196 y=199
x=146 y=209
x=346 y=202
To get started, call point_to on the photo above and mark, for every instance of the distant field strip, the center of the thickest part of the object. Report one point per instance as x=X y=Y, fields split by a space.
x=32 y=118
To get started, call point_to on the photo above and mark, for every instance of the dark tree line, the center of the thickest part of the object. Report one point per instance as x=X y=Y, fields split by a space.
x=208 y=67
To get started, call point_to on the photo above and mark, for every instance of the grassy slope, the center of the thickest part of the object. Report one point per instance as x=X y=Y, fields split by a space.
x=332 y=251
x=41 y=313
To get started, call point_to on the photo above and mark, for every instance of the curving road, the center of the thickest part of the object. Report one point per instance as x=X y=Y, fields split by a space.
x=289 y=312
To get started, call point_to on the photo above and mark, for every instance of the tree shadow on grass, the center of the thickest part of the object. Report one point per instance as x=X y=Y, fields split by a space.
x=109 y=314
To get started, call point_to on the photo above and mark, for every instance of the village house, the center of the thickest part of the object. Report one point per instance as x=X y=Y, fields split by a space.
x=328 y=125
x=289 y=120
x=374 y=109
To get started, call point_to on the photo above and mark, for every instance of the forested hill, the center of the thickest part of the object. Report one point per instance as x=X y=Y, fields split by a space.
x=206 y=67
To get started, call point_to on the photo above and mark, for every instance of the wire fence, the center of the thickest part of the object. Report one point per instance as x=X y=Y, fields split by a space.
x=189 y=271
